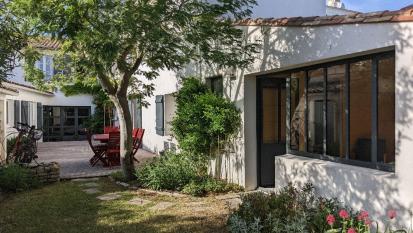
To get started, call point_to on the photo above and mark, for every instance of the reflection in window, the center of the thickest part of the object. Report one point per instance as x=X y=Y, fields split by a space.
x=269 y=115
x=336 y=111
x=386 y=111
x=297 y=114
x=315 y=110
x=360 y=110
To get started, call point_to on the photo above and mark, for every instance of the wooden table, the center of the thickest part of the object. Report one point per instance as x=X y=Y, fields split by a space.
x=101 y=137
x=104 y=137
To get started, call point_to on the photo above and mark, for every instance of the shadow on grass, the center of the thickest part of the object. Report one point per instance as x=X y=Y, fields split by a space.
x=64 y=207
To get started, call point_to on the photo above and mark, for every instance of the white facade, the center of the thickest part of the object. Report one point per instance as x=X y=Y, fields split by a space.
x=35 y=98
x=285 y=48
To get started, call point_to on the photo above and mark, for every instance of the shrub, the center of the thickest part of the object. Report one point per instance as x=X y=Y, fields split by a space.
x=171 y=171
x=203 y=120
x=360 y=222
x=289 y=210
x=14 y=178
x=179 y=172
x=202 y=186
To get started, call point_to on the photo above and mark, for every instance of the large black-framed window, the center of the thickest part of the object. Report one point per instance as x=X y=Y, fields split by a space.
x=346 y=110
x=65 y=123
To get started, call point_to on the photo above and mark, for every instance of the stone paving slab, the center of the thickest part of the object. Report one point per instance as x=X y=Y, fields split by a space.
x=227 y=196
x=162 y=206
x=91 y=190
x=85 y=179
x=139 y=201
x=89 y=185
x=109 y=197
x=233 y=204
x=73 y=158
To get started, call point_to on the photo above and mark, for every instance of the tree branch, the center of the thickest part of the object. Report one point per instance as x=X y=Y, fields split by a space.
x=124 y=82
x=105 y=82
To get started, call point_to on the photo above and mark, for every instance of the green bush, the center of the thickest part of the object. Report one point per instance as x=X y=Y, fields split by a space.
x=203 y=120
x=179 y=172
x=14 y=178
x=171 y=172
x=207 y=184
x=289 y=210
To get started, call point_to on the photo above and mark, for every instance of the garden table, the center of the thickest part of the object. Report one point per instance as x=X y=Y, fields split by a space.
x=104 y=137
x=101 y=137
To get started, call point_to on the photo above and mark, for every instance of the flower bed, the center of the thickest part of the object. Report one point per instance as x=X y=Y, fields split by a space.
x=300 y=210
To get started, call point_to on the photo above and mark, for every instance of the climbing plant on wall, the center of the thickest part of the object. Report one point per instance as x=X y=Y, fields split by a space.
x=204 y=121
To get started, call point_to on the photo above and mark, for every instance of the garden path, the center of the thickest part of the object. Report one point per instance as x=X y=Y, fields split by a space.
x=73 y=158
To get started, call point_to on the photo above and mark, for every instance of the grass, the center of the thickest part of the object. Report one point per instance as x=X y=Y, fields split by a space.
x=64 y=207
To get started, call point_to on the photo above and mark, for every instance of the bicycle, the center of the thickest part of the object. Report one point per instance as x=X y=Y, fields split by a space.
x=25 y=147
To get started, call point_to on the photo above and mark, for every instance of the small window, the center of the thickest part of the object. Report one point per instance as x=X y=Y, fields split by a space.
x=160 y=124
x=45 y=64
x=216 y=84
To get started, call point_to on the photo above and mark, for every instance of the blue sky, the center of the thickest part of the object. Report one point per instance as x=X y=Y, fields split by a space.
x=376 y=5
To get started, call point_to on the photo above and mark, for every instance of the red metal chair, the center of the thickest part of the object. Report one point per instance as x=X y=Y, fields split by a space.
x=137 y=141
x=113 y=149
x=108 y=129
x=98 y=150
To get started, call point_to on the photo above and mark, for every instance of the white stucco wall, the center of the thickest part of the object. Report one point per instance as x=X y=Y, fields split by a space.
x=166 y=84
x=285 y=48
x=293 y=47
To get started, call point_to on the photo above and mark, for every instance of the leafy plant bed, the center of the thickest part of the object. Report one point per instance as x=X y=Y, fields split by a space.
x=179 y=172
x=296 y=210
x=15 y=178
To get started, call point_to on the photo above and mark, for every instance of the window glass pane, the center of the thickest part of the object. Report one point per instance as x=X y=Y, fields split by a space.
x=48 y=72
x=336 y=111
x=315 y=110
x=360 y=110
x=297 y=114
x=283 y=115
x=83 y=112
x=386 y=111
x=269 y=115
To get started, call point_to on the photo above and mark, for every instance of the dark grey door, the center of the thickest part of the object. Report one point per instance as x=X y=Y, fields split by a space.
x=271 y=112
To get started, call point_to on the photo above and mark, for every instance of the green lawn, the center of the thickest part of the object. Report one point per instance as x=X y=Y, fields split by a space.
x=64 y=207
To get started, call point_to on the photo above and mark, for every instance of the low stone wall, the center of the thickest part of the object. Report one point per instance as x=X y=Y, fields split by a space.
x=46 y=172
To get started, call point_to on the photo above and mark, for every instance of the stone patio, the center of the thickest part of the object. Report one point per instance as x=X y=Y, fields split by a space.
x=73 y=158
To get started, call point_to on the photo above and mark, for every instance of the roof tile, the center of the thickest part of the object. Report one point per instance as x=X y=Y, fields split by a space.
x=403 y=15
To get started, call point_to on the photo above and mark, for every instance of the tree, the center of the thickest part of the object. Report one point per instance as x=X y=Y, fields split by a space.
x=12 y=40
x=122 y=42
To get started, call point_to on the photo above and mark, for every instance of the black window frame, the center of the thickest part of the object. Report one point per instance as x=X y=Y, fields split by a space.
x=219 y=79
x=375 y=58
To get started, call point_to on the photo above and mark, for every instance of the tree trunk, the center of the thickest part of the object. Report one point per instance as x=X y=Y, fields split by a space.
x=126 y=141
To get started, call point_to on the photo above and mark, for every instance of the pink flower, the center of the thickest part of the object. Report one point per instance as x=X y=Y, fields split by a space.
x=351 y=230
x=330 y=219
x=367 y=222
x=391 y=214
x=363 y=215
x=343 y=214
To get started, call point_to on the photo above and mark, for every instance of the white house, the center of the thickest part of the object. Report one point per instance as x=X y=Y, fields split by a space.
x=328 y=100
x=61 y=117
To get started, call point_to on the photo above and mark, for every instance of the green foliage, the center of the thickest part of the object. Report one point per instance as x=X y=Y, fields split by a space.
x=289 y=210
x=10 y=144
x=110 y=40
x=14 y=178
x=207 y=184
x=203 y=120
x=124 y=43
x=171 y=171
x=179 y=172
x=12 y=40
